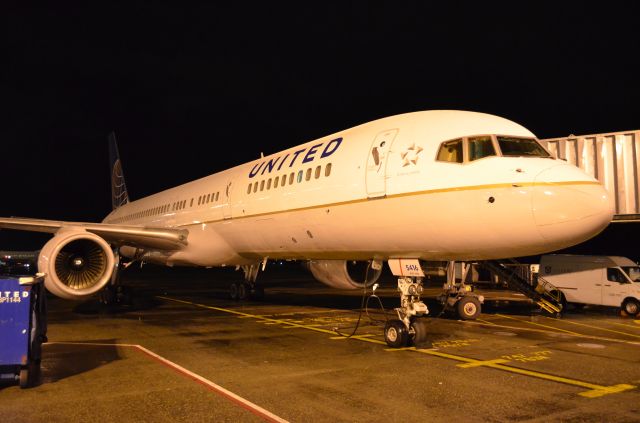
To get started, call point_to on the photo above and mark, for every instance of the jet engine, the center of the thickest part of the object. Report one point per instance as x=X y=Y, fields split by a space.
x=77 y=264
x=344 y=274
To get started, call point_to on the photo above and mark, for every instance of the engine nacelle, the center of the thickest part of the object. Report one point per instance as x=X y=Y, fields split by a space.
x=77 y=264
x=344 y=274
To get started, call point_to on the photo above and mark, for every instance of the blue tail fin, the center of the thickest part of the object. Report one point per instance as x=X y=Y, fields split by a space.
x=119 y=194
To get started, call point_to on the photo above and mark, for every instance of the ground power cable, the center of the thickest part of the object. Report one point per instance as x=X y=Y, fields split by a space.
x=364 y=303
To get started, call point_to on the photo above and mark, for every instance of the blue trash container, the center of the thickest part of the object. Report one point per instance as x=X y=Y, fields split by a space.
x=22 y=328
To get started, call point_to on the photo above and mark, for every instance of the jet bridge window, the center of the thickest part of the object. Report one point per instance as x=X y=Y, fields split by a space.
x=480 y=147
x=515 y=146
x=451 y=151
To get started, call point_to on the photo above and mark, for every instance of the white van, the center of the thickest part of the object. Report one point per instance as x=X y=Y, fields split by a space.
x=600 y=280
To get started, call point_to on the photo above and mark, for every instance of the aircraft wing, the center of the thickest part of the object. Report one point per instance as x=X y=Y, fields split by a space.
x=136 y=236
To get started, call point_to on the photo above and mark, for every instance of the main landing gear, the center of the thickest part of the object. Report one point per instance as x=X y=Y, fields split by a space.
x=115 y=293
x=410 y=327
x=458 y=296
x=249 y=288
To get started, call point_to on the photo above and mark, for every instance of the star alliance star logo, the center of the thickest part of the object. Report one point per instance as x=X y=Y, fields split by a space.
x=410 y=155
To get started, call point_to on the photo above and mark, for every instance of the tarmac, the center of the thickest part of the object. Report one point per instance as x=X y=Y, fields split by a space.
x=183 y=351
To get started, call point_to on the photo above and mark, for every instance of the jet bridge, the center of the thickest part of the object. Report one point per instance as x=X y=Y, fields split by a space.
x=613 y=159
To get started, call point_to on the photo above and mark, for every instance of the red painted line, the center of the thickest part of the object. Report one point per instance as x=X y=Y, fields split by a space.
x=246 y=404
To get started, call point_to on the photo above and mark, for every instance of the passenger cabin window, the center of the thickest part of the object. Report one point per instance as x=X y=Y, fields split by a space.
x=327 y=170
x=515 y=147
x=451 y=151
x=480 y=147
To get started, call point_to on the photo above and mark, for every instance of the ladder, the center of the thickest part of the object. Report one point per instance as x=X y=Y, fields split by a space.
x=547 y=296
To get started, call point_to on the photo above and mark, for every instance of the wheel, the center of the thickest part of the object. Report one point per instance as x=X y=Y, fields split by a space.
x=395 y=334
x=420 y=329
x=631 y=307
x=468 y=308
x=243 y=291
x=233 y=291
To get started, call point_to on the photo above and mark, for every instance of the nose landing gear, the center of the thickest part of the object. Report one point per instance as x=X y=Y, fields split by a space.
x=410 y=326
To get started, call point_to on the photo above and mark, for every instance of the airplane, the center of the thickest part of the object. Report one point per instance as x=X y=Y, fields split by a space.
x=434 y=185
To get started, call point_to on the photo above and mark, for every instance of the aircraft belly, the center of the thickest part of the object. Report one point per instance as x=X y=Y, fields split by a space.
x=455 y=224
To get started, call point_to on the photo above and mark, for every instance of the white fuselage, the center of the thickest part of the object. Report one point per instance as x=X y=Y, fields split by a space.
x=397 y=201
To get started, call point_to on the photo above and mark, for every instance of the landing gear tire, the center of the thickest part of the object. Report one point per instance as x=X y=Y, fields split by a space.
x=468 y=308
x=420 y=331
x=396 y=334
x=631 y=307
x=234 y=291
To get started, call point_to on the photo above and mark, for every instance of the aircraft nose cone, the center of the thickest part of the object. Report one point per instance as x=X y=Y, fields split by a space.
x=569 y=206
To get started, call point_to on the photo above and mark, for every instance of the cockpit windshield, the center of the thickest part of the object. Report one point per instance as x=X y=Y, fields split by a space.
x=633 y=272
x=515 y=146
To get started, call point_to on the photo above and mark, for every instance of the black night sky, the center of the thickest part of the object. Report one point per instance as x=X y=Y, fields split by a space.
x=191 y=90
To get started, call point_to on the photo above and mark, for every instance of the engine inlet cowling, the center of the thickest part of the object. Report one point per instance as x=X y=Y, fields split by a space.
x=76 y=263
x=344 y=274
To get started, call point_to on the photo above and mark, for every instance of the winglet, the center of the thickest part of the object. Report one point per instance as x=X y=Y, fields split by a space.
x=119 y=194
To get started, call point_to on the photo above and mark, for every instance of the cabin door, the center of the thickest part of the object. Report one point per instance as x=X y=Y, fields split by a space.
x=376 y=176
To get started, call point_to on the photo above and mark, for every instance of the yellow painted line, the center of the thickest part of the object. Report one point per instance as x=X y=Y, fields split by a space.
x=354 y=336
x=538 y=324
x=274 y=321
x=599 y=328
x=625 y=325
x=593 y=392
x=482 y=363
x=580 y=335
x=486 y=321
x=306 y=326
x=594 y=389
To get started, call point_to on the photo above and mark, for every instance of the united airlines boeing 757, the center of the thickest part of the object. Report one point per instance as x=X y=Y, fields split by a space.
x=430 y=185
